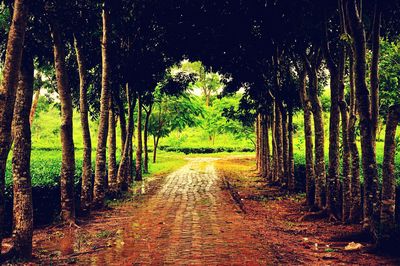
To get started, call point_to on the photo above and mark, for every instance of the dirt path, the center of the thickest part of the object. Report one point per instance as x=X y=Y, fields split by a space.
x=190 y=219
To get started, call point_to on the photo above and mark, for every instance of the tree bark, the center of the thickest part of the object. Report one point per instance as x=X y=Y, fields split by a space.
x=274 y=145
x=279 y=143
x=156 y=139
x=112 y=149
x=34 y=106
x=356 y=207
x=138 y=176
x=145 y=137
x=99 y=191
x=374 y=73
x=346 y=155
x=370 y=172
x=310 y=171
x=264 y=147
x=285 y=145
x=22 y=207
x=8 y=88
x=257 y=127
x=334 y=154
x=291 y=181
x=388 y=201
x=68 y=153
x=86 y=186
x=320 y=172
x=122 y=121
x=124 y=170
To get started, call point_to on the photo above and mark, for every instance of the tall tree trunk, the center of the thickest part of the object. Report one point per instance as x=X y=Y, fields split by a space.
x=8 y=88
x=346 y=155
x=22 y=209
x=388 y=204
x=68 y=153
x=285 y=145
x=279 y=143
x=122 y=121
x=320 y=172
x=87 y=186
x=374 y=73
x=309 y=149
x=334 y=154
x=34 y=106
x=138 y=176
x=124 y=170
x=145 y=137
x=99 y=191
x=356 y=207
x=112 y=149
x=274 y=145
x=258 y=140
x=264 y=147
x=156 y=140
x=370 y=172
x=291 y=181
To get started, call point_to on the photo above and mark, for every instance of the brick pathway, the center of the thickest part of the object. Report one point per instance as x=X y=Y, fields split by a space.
x=191 y=220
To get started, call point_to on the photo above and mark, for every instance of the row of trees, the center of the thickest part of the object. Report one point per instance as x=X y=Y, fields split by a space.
x=281 y=53
x=334 y=42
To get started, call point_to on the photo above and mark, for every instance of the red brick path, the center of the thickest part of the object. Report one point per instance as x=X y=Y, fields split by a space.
x=190 y=220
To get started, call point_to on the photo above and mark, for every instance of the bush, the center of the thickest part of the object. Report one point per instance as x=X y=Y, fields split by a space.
x=204 y=150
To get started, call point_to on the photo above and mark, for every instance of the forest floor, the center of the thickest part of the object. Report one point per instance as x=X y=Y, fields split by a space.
x=211 y=211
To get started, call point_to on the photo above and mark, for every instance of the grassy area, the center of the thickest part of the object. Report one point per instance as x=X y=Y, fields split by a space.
x=46 y=152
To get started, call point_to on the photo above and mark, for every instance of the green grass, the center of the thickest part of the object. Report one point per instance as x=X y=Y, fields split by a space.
x=46 y=152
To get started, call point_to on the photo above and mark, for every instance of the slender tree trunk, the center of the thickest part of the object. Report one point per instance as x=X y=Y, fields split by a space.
x=145 y=137
x=309 y=149
x=279 y=143
x=292 y=181
x=22 y=209
x=374 y=73
x=320 y=172
x=264 y=149
x=346 y=156
x=138 y=176
x=156 y=139
x=356 y=207
x=122 y=121
x=34 y=106
x=388 y=204
x=334 y=144
x=274 y=145
x=124 y=170
x=258 y=140
x=285 y=145
x=370 y=172
x=99 y=191
x=68 y=153
x=87 y=186
x=8 y=88
x=112 y=149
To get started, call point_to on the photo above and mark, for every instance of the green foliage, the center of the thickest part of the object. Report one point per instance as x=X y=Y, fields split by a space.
x=389 y=75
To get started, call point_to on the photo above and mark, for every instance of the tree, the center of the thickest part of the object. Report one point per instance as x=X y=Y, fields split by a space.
x=387 y=212
x=23 y=210
x=112 y=148
x=139 y=148
x=370 y=172
x=86 y=191
x=15 y=43
x=100 y=173
x=68 y=153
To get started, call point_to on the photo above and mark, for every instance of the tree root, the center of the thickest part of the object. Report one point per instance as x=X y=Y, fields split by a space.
x=315 y=216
